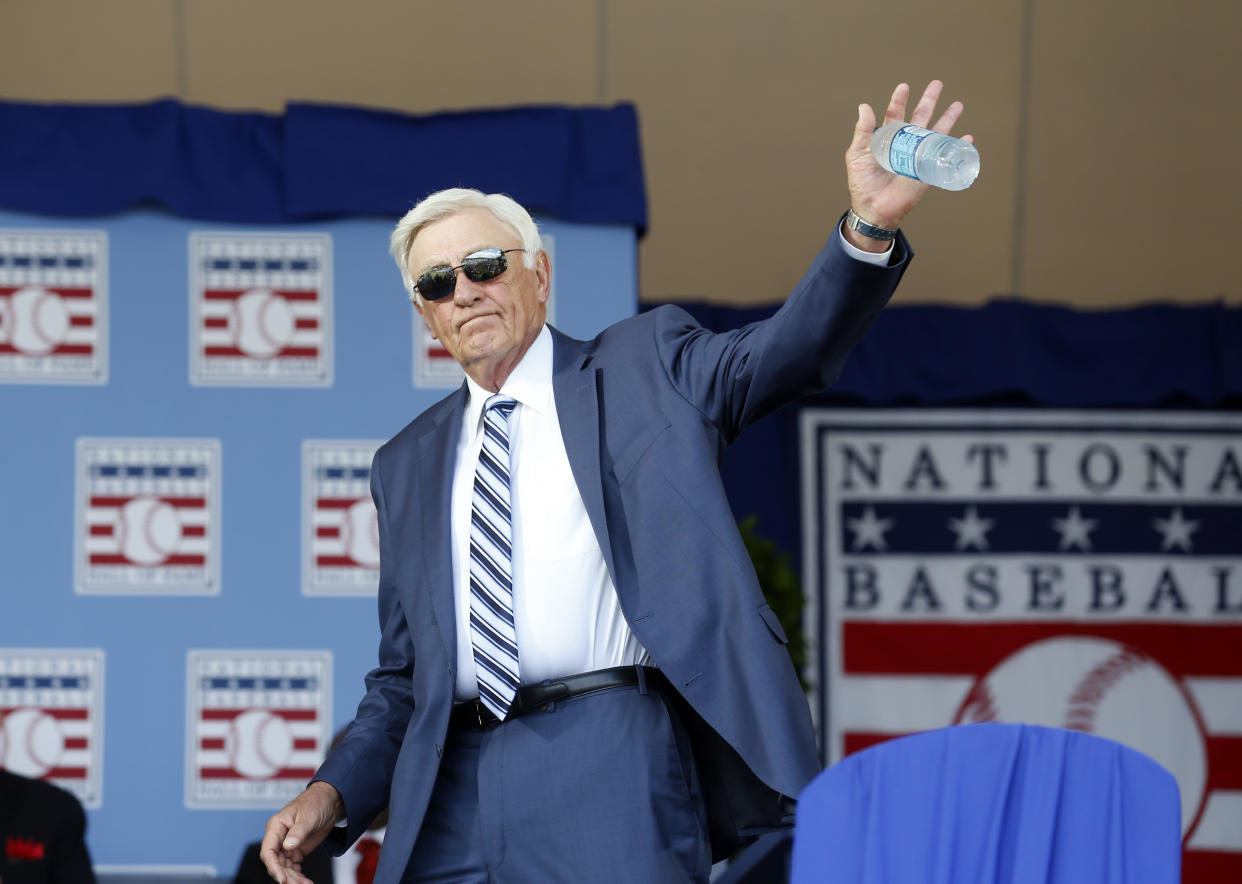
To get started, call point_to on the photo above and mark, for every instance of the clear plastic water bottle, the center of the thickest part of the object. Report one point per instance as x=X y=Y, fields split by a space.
x=926 y=156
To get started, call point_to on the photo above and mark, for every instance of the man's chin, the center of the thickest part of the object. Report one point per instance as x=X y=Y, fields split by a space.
x=474 y=348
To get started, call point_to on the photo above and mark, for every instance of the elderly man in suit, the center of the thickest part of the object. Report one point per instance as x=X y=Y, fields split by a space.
x=578 y=678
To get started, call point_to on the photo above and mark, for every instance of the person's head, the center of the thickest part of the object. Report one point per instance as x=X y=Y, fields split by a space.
x=487 y=325
x=443 y=203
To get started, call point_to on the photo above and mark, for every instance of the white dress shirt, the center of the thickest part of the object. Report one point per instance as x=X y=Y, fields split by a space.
x=879 y=258
x=564 y=603
x=567 y=614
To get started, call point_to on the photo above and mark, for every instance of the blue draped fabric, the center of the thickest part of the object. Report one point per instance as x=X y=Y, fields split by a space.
x=1003 y=803
x=1016 y=353
x=1006 y=353
x=85 y=161
x=580 y=165
x=315 y=161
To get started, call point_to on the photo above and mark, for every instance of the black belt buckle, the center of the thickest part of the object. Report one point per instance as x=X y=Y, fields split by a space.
x=483 y=716
x=474 y=715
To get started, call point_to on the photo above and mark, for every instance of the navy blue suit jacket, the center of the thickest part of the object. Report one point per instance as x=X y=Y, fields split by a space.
x=646 y=410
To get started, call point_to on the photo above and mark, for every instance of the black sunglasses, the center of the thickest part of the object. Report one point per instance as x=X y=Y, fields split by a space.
x=485 y=264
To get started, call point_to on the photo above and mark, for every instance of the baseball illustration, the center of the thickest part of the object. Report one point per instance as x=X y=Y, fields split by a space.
x=262 y=323
x=147 y=530
x=36 y=321
x=1100 y=687
x=31 y=742
x=259 y=744
x=360 y=533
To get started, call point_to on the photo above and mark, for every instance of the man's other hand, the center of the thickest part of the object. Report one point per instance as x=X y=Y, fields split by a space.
x=297 y=829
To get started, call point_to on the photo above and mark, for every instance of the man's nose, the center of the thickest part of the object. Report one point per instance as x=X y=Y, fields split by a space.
x=466 y=291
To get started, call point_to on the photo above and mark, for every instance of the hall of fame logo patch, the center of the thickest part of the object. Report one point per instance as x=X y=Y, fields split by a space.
x=434 y=366
x=258 y=725
x=1080 y=570
x=340 y=534
x=53 y=306
x=51 y=718
x=148 y=516
x=261 y=309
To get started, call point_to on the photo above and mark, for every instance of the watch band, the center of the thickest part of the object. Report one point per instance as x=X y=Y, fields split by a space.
x=856 y=223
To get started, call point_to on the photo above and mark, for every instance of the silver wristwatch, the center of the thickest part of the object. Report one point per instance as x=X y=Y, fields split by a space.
x=855 y=222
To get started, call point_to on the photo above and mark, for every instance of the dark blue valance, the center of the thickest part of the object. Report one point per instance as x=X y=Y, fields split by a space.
x=315 y=161
x=1006 y=354
x=1016 y=353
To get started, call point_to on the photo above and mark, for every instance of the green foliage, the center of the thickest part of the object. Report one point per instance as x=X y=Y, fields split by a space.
x=781 y=587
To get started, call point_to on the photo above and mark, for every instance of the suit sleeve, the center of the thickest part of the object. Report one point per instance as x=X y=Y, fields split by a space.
x=735 y=378
x=361 y=766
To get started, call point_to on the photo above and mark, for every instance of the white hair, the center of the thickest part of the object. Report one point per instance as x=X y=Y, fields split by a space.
x=444 y=203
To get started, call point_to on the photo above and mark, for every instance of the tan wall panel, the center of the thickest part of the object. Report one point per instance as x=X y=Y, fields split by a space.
x=66 y=51
x=391 y=54
x=746 y=110
x=1133 y=191
x=1125 y=194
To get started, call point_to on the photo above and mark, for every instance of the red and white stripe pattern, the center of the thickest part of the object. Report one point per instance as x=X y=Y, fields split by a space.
x=340 y=532
x=51 y=717
x=149 y=515
x=233 y=743
x=53 y=306
x=1219 y=701
x=111 y=539
x=262 y=308
x=902 y=678
x=1065 y=569
x=258 y=724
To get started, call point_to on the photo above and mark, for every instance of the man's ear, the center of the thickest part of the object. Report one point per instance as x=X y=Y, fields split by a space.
x=543 y=271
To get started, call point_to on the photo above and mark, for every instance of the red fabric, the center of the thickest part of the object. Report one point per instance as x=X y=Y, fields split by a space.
x=23 y=848
x=368 y=858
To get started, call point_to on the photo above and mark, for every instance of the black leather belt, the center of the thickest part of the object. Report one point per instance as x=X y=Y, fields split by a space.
x=473 y=715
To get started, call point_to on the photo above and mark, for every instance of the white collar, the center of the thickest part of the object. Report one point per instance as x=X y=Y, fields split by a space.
x=530 y=382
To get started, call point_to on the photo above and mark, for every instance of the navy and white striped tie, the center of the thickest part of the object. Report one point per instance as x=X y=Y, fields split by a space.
x=492 y=632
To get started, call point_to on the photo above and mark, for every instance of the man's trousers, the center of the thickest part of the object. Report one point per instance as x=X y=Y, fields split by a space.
x=598 y=788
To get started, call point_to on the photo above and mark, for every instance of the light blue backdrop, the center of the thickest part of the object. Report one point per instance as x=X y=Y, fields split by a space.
x=143 y=818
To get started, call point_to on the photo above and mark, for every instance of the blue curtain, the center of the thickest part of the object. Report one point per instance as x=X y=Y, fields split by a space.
x=1008 y=354
x=315 y=161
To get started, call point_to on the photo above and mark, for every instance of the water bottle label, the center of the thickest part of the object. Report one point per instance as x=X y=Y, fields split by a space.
x=901 y=152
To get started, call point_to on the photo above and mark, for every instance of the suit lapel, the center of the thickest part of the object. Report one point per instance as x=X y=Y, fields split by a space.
x=436 y=451
x=577 y=408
